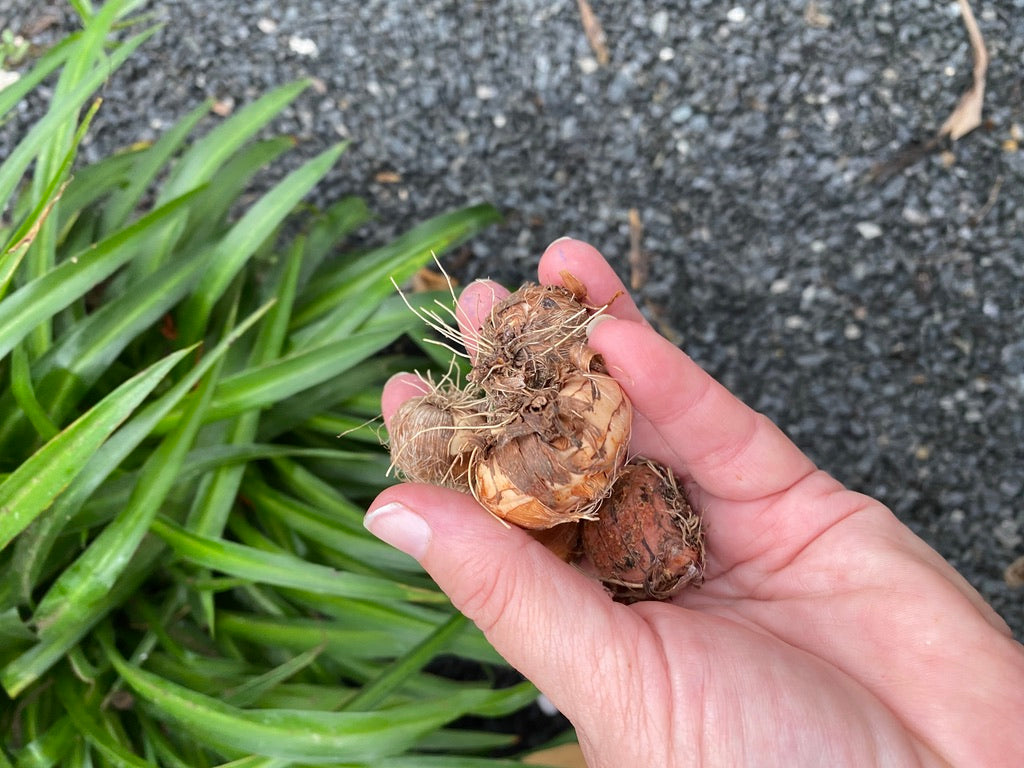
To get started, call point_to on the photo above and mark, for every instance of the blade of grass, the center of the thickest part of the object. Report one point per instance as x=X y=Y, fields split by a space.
x=79 y=596
x=300 y=735
x=41 y=250
x=42 y=254
x=214 y=209
x=319 y=526
x=53 y=58
x=24 y=394
x=265 y=385
x=376 y=691
x=26 y=234
x=251 y=690
x=442 y=761
x=299 y=695
x=217 y=495
x=31 y=554
x=75 y=702
x=451 y=740
x=32 y=487
x=50 y=747
x=339 y=301
x=387 y=636
x=214 y=502
x=202 y=160
x=145 y=167
x=45 y=296
x=13 y=168
x=329 y=229
x=83 y=8
x=91 y=183
x=319 y=494
x=291 y=412
x=255 y=226
x=85 y=353
x=282 y=569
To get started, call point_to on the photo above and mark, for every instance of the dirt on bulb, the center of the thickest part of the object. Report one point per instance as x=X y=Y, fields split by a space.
x=646 y=542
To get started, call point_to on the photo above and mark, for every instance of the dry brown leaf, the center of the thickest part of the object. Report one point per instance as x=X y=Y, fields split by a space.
x=565 y=756
x=429 y=280
x=967 y=115
x=30 y=236
x=594 y=32
x=1014 y=573
x=813 y=17
x=223 y=107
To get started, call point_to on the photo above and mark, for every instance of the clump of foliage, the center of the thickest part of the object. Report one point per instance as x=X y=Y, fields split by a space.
x=184 y=575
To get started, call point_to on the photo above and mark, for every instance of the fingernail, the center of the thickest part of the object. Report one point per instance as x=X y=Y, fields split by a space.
x=595 y=321
x=558 y=240
x=400 y=527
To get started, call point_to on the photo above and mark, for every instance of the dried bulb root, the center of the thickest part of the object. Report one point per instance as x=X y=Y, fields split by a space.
x=554 y=462
x=530 y=339
x=432 y=438
x=647 y=542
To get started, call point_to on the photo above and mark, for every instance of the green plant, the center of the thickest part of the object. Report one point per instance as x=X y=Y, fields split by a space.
x=184 y=577
x=13 y=48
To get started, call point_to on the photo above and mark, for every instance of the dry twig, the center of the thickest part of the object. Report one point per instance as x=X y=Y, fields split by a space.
x=638 y=262
x=993 y=195
x=594 y=32
x=964 y=119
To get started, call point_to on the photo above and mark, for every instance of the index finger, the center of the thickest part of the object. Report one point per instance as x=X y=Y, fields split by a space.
x=695 y=423
x=583 y=262
x=683 y=415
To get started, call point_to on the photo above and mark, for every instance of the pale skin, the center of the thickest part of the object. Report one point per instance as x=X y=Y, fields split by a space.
x=826 y=633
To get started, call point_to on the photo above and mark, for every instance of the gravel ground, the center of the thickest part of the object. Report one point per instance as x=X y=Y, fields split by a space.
x=880 y=322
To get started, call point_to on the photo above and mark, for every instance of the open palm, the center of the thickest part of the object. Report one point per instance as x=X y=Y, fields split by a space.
x=826 y=632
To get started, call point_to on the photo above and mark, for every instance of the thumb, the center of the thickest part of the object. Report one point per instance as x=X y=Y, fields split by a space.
x=548 y=620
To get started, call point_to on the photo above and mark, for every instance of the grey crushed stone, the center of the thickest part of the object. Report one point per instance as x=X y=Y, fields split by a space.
x=881 y=324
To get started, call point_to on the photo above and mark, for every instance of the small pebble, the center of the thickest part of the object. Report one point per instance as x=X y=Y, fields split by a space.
x=303 y=46
x=868 y=230
x=659 y=23
x=736 y=15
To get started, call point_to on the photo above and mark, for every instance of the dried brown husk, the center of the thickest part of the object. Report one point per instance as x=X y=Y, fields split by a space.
x=553 y=461
x=647 y=542
x=433 y=436
x=529 y=340
x=563 y=540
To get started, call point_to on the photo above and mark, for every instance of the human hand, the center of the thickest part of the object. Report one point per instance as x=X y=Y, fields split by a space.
x=826 y=633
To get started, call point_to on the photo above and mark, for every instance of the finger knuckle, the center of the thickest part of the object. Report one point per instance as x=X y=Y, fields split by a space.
x=486 y=598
